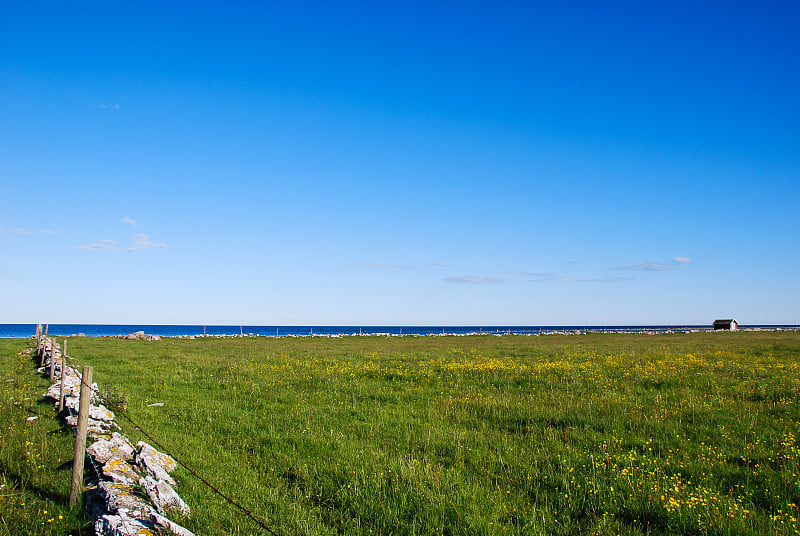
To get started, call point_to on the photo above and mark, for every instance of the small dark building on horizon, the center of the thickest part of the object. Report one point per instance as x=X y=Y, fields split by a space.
x=729 y=324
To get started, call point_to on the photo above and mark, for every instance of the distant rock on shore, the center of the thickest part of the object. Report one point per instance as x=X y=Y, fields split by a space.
x=140 y=336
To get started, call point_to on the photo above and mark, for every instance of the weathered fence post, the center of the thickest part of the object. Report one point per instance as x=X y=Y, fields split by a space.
x=63 y=376
x=80 y=439
x=52 y=360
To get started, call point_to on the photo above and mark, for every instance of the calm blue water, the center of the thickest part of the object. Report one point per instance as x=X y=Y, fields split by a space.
x=100 y=330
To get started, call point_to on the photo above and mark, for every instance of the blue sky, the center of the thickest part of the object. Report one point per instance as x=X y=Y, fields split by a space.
x=418 y=163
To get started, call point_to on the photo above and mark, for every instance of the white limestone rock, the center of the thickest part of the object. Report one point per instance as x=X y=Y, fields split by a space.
x=164 y=496
x=116 y=446
x=72 y=402
x=119 y=497
x=96 y=428
x=154 y=470
x=165 y=461
x=100 y=413
x=163 y=524
x=118 y=470
x=158 y=465
x=121 y=525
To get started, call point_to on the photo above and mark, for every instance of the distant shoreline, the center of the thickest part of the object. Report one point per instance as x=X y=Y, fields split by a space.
x=195 y=331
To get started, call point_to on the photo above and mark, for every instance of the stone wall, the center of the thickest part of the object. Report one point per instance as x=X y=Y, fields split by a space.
x=131 y=490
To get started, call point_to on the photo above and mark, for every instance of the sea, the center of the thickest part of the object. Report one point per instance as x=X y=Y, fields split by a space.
x=192 y=330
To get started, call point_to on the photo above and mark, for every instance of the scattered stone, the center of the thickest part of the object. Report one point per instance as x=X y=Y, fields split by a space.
x=157 y=404
x=140 y=336
x=31 y=419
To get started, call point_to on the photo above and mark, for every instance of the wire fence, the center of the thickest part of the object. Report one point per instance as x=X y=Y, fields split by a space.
x=111 y=404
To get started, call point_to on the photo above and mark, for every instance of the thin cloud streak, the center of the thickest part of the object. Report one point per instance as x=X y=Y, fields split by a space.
x=129 y=221
x=142 y=241
x=138 y=243
x=531 y=274
x=381 y=266
x=582 y=279
x=25 y=232
x=682 y=260
x=98 y=246
x=472 y=280
x=18 y=231
x=649 y=267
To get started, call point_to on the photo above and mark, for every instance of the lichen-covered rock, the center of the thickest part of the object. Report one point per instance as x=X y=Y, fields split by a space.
x=163 y=524
x=95 y=428
x=121 y=471
x=148 y=452
x=121 y=525
x=154 y=470
x=119 y=497
x=72 y=402
x=156 y=464
x=115 y=446
x=100 y=413
x=163 y=496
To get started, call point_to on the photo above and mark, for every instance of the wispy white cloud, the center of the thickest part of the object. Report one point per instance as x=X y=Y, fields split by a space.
x=381 y=266
x=129 y=221
x=26 y=232
x=530 y=274
x=649 y=267
x=581 y=279
x=142 y=241
x=472 y=280
x=103 y=244
x=138 y=242
x=108 y=106
x=18 y=231
x=682 y=260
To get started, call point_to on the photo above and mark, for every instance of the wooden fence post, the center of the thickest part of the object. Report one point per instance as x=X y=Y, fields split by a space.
x=80 y=440
x=63 y=375
x=52 y=360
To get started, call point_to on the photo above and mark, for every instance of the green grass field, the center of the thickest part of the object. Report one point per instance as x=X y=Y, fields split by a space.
x=594 y=434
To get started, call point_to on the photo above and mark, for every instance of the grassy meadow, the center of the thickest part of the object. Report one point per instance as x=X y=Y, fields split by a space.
x=591 y=434
x=35 y=456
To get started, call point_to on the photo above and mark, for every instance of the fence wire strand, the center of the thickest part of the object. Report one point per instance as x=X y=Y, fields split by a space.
x=115 y=407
